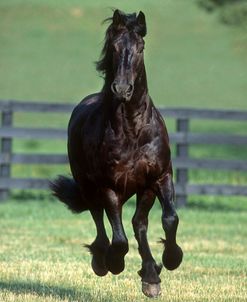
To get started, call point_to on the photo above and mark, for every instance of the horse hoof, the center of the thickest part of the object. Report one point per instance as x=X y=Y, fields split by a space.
x=116 y=266
x=151 y=290
x=172 y=257
x=99 y=270
x=115 y=261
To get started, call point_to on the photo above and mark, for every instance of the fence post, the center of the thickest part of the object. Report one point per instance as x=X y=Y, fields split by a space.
x=182 y=152
x=5 y=150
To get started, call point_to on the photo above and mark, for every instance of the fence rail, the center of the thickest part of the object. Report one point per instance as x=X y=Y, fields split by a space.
x=182 y=139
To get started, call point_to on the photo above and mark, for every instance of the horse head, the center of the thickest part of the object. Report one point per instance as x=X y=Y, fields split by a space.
x=122 y=55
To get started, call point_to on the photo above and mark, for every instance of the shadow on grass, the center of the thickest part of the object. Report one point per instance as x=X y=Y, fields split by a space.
x=45 y=290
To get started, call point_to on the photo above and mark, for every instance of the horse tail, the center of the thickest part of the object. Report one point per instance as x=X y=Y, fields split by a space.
x=68 y=192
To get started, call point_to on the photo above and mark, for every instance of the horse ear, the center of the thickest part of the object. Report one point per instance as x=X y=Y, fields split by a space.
x=117 y=18
x=141 y=20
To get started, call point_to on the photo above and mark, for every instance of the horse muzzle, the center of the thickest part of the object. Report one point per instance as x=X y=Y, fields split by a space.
x=122 y=91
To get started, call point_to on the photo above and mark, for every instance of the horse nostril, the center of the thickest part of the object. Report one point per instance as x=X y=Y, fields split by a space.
x=130 y=88
x=114 y=87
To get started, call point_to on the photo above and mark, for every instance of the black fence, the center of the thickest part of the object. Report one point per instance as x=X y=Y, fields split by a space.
x=182 y=138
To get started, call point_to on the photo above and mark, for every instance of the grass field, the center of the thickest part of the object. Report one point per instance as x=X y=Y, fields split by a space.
x=42 y=256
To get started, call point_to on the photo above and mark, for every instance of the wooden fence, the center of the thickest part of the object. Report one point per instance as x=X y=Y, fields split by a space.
x=182 y=139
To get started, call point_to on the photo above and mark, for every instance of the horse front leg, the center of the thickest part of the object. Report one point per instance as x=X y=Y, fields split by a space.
x=100 y=246
x=173 y=254
x=150 y=270
x=119 y=246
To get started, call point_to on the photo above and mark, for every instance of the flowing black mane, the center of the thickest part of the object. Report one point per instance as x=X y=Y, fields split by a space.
x=127 y=22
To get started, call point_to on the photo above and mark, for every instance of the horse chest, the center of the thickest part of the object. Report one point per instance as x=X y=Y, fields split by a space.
x=130 y=167
x=134 y=159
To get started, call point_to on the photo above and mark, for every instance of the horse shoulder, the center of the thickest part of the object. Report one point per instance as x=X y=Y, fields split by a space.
x=85 y=108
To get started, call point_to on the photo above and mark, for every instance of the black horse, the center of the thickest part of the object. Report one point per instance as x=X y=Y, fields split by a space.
x=118 y=146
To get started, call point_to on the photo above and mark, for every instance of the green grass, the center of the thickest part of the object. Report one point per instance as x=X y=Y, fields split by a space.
x=42 y=256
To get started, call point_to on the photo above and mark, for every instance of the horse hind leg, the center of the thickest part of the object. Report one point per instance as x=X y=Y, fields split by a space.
x=173 y=254
x=100 y=246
